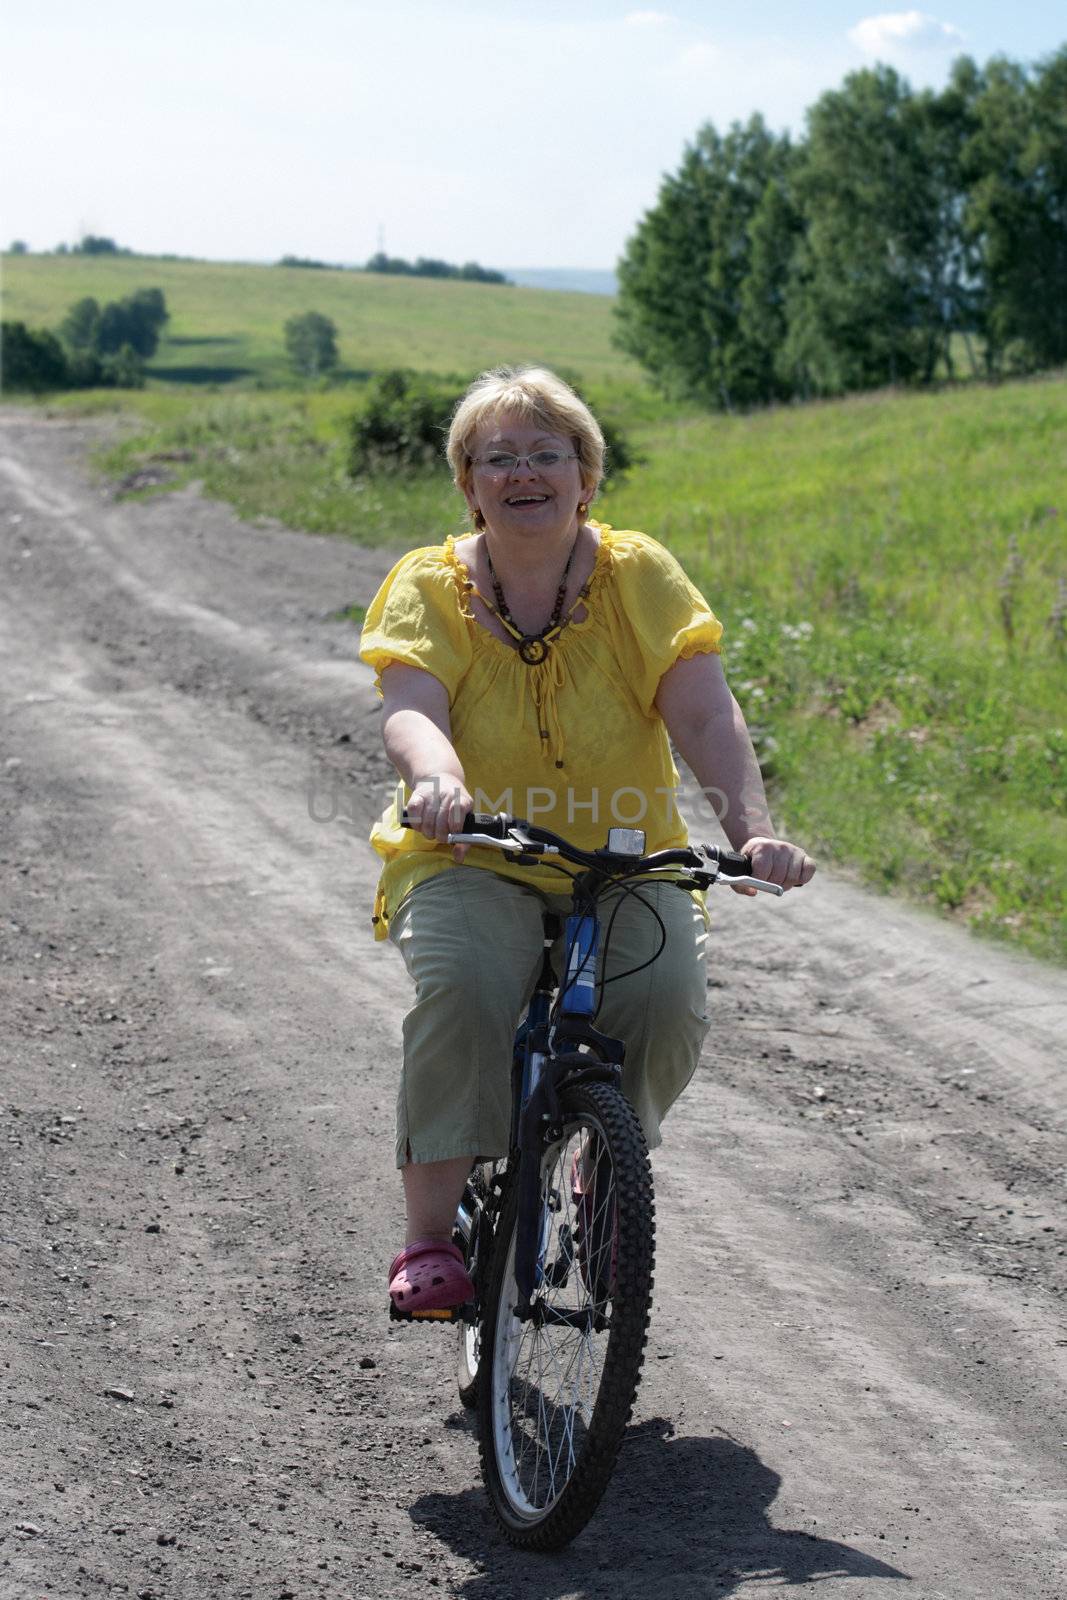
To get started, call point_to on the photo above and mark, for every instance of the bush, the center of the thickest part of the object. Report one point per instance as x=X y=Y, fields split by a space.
x=31 y=360
x=123 y=370
x=403 y=426
x=35 y=361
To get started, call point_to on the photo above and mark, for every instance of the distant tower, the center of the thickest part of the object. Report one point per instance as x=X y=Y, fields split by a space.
x=381 y=238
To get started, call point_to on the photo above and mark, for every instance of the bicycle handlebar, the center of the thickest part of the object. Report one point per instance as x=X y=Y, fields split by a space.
x=707 y=863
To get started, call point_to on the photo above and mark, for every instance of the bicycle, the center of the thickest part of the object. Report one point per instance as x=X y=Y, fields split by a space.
x=559 y=1237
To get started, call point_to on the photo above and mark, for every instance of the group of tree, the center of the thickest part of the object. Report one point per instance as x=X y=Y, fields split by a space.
x=901 y=223
x=308 y=261
x=94 y=347
x=427 y=267
x=90 y=244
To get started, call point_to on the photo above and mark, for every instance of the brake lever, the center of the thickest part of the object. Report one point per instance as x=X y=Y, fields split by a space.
x=750 y=883
x=512 y=844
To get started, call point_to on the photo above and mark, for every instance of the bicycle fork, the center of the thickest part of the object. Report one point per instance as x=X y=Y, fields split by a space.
x=543 y=1069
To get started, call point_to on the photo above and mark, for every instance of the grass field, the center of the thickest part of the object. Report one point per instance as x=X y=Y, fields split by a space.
x=226 y=321
x=891 y=571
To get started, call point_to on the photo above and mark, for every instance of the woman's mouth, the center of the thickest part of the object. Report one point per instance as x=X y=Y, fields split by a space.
x=526 y=500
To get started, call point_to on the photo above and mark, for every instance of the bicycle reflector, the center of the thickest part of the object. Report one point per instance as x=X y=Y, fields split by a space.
x=626 y=841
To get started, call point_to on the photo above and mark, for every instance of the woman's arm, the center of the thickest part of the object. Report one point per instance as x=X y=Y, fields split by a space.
x=418 y=741
x=706 y=724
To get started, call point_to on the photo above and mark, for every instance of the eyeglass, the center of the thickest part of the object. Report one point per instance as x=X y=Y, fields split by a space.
x=504 y=461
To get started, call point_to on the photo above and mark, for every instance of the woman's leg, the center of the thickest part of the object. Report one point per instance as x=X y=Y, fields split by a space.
x=471 y=941
x=432 y=1192
x=658 y=1012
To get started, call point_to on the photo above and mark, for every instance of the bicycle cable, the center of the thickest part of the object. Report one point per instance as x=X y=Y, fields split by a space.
x=628 y=888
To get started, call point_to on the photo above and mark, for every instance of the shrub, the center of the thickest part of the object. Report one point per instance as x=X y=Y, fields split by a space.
x=35 y=361
x=123 y=370
x=31 y=359
x=403 y=426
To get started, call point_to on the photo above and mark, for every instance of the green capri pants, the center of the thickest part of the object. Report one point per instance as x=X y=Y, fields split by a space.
x=472 y=941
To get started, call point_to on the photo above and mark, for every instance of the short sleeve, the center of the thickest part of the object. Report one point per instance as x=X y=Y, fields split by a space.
x=415 y=618
x=668 y=616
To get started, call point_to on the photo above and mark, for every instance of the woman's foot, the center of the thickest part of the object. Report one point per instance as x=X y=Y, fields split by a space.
x=429 y=1275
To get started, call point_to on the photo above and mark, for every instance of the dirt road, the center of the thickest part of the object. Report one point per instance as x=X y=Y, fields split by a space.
x=858 y=1351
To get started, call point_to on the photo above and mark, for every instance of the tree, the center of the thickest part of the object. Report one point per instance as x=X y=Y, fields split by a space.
x=18 y=247
x=135 y=321
x=878 y=279
x=1016 y=164
x=430 y=267
x=79 y=327
x=380 y=262
x=94 y=244
x=311 y=343
x=473 y=273
x=29 y=359
x=682 y=310
x=146 y=311
x=774 y=235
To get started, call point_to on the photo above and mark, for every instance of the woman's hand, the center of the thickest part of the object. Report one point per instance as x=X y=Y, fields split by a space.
x=776 y=861
x=438 y=805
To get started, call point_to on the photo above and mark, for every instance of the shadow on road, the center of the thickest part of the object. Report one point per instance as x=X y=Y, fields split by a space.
x=682 y=1515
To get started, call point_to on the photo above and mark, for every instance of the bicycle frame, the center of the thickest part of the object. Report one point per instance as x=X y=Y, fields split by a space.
x=555 y=1043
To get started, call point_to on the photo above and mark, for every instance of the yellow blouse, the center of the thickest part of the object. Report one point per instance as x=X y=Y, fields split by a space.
x=575 y=743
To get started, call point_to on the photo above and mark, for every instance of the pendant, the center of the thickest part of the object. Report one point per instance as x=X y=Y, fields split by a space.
x=532 y=649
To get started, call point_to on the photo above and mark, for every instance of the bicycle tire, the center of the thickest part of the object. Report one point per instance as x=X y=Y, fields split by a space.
x=547 y=1460
x=475 y=1240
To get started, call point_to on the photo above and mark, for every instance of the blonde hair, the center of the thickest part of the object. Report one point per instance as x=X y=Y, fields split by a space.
x=535 y=395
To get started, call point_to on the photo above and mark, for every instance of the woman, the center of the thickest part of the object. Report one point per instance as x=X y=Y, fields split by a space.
x=538 y=665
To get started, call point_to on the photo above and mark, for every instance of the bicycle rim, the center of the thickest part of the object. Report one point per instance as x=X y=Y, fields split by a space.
x=556 y=1390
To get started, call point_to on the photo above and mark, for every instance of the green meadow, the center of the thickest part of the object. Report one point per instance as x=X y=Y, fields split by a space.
x=891 y=569
x=226 y=321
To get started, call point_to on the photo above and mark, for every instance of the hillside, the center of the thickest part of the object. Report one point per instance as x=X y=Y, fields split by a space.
x=891 y=569
x=227 y=319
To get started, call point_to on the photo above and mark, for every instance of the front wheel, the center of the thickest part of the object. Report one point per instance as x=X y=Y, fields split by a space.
x=556 y=1386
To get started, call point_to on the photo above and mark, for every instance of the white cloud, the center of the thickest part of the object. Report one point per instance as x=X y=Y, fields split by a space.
x=897 y=33
x=647 y=19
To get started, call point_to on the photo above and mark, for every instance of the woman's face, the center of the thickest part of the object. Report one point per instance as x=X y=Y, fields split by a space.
x=527 y=496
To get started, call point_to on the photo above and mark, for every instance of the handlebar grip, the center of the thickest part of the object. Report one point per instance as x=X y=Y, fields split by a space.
x=474 y=822
x=732 y=864
x=496 y=826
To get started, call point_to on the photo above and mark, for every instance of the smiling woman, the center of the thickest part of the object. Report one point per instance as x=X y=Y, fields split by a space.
x=547 y=657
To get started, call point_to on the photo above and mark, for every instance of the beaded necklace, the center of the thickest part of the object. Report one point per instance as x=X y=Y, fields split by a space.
x=533 y=647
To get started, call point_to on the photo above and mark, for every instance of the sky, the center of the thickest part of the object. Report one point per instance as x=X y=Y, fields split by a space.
x=528 y=135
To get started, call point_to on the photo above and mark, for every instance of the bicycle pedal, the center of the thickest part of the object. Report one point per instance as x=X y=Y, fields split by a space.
x=463 y=1313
